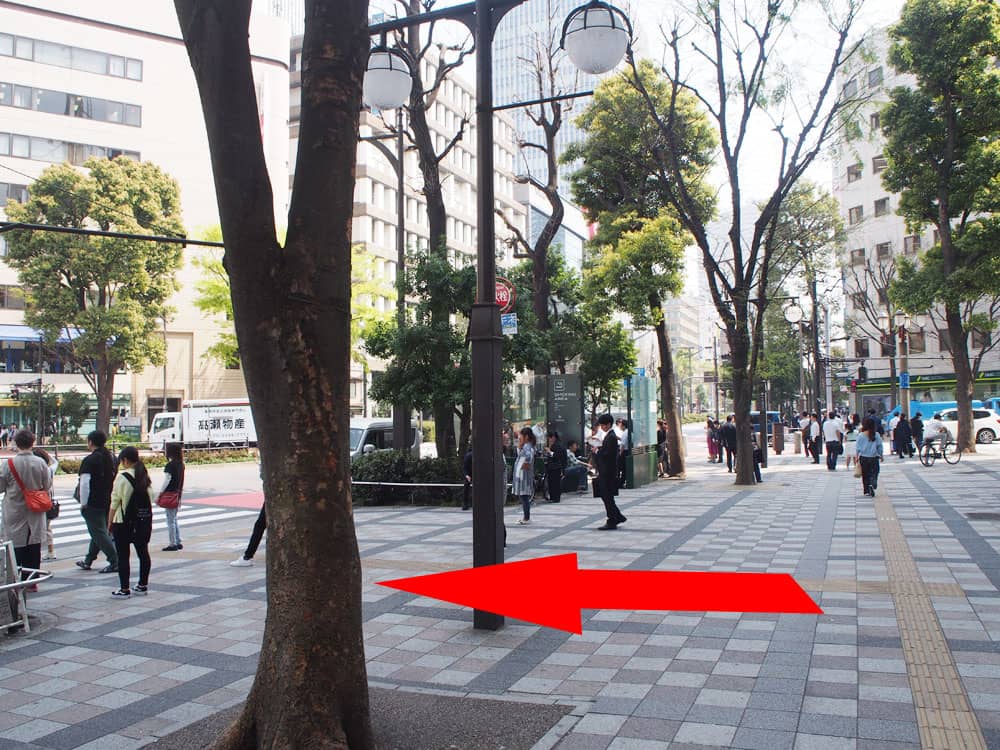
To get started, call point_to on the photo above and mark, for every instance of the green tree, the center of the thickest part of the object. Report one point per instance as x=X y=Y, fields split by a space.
x=108 y=293
x=428 y=361
x=739 y=75
x=67 y=410
x=943 y=150
x=636 y=274
x=608 y=356
x=781 y=359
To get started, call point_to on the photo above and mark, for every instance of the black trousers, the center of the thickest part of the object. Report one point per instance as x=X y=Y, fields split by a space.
x=553 y=480
x=260 y=525
x=730 y=456
x=126 y=537
x=611 y=508
x=869 y=473
x=466 y=498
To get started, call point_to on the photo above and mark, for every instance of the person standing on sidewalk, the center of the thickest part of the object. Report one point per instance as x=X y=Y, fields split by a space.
x=131 y=520
x=903 y=436
x=173 y=481
x=729 y=440
x=50 y=545
x=606 y=483
x=869 y=448
x=833 y=434
x=467 y=485
x=523 y=481
x=814 y=437
x=21 y=525
x=259 y=527
x=97 y=475
x=555 y=467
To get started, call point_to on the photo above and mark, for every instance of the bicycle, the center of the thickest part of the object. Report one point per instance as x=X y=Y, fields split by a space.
x=929 y=454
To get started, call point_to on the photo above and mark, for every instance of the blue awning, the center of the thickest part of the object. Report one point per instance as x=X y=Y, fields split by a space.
x=15 y=332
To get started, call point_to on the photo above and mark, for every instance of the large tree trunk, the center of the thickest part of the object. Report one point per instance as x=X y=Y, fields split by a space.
x=739 y=345
x=964 y=378
x=292 y=314
x=675 y=438
x=104 y=379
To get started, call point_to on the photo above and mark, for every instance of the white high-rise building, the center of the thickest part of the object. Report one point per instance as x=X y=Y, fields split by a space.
x=85 y=79
x=876 y=238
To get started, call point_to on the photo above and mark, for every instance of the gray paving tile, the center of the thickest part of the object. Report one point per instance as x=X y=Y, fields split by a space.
x=763 y=739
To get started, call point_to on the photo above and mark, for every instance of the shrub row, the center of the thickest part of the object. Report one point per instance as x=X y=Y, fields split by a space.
x=158 y=460
x=400 y=466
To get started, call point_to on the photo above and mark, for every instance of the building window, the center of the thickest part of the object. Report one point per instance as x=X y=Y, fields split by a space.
x=875 y=120
x=882 y=207
x=887 y=345
x=858 y=257
x=981 y=339
x=883 y=296
x=875 y=77
x=61 y=103
x=44 y=149
x=11 y=297
x=851 y=88
x=917 y=342
x=911 y=244
x=879 y=164
x=855 y=215
x=861 y=348
x=944 y=341
x=859 y=300
x=854 y=172
x=9 y=191
x=883 y=250
x=65 y=56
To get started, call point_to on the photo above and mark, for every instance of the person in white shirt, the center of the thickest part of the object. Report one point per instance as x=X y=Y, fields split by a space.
x=934 y=430
x=804 y=427
x=892 y=430
x=833 y=433
x=814 y=437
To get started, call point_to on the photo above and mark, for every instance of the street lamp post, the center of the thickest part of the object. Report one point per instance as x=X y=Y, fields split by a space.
x=899 y=331
x=596 y=37
x=793 y=314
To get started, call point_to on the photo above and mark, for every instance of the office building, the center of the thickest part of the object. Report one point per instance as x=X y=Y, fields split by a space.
x=83 y=79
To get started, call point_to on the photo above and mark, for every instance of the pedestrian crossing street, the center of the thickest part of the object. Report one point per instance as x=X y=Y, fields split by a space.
x=70 y=528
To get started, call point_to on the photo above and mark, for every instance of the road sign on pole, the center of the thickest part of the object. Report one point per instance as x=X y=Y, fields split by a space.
x=505 y=295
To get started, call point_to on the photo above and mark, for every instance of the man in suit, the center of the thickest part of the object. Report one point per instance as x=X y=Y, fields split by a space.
x=606 y=484
x=729 y=440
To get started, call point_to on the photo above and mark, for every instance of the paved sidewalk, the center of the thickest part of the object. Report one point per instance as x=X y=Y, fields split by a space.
x=907 y=654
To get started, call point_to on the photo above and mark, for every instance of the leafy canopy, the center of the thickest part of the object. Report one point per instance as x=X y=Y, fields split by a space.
x=108 y=293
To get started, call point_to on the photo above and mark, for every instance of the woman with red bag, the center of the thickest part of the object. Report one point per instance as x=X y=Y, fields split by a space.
x=170 y=493
x=20 y=477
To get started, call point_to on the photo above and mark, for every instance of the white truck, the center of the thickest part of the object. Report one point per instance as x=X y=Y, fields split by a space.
x=205 y=423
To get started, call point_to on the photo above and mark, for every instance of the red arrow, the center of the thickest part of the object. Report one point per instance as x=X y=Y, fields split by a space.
x=551 y=591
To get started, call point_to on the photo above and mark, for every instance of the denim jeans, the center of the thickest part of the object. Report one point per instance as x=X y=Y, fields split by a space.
x=526 y=506
x=173 y=530
x=100 y=538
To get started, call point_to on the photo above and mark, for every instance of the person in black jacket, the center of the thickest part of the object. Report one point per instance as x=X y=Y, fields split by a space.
x=467 y=487
x=97 y=475
x=606 y=484
x=555 y=467
x=728 y=436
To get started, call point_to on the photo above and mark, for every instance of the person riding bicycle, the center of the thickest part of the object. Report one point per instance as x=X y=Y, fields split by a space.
x=935 y=431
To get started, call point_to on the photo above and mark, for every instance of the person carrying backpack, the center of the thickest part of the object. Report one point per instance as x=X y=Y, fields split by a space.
x=131 y=520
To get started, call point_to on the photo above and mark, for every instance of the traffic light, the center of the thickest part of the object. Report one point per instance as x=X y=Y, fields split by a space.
x=862 y=374
x=854 y=386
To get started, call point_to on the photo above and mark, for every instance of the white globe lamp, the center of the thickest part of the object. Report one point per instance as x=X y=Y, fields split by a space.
x=387 y=79
x=596 y=37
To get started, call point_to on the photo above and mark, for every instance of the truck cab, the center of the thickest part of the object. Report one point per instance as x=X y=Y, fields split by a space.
x=166 y=428
x=370 y=435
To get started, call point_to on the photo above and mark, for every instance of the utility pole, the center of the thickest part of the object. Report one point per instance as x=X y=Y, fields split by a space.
x=817 y=357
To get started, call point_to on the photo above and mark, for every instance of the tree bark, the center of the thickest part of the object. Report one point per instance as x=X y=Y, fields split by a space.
x=739 y=346
x=964 y=378
x=675 y=438
x=292 y=313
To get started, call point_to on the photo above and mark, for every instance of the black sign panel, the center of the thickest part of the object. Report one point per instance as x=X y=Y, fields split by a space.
x=564 y=403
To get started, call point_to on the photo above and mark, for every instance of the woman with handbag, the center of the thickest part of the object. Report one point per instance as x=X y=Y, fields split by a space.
x=131 y=520
x=170 y=493
x=27 y=483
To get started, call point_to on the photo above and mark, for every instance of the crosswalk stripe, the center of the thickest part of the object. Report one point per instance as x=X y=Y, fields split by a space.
x=72 y=533
x=71 y=519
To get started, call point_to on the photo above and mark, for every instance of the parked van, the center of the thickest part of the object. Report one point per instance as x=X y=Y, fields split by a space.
x=370 y=435
x=773 y=423
x=992 y=403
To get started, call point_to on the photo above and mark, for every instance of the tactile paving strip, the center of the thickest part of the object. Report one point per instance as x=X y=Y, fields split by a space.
x=944 y=717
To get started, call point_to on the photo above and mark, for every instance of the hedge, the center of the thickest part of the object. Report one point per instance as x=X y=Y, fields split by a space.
x=400 y=466
x=191 y=458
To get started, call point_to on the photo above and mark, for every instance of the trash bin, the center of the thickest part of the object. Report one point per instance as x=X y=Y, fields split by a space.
x=778 y=438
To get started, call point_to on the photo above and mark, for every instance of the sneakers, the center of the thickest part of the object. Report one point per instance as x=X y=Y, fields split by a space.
x=83 y=565
x=108 y=569
x=50 y=557
x=241 y=562
x=524 y=521
x=172 y=548
x=141 y=590
x=121 y=594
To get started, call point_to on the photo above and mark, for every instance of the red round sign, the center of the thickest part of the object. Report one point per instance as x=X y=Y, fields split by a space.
x=505 y=294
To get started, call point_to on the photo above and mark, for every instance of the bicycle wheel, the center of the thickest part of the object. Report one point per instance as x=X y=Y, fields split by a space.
x=927 y=455
x=951 y=453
